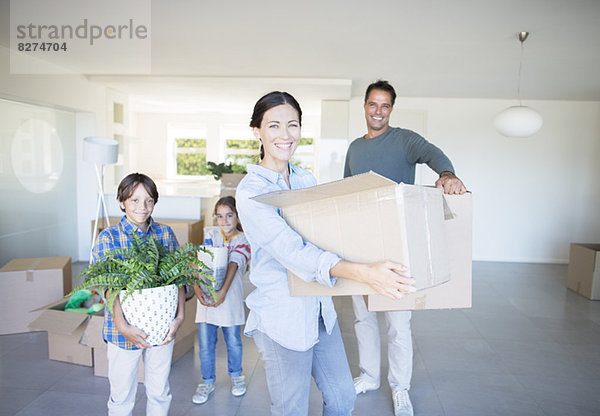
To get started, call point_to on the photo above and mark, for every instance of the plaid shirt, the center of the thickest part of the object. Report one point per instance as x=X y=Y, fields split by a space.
x=118 y=236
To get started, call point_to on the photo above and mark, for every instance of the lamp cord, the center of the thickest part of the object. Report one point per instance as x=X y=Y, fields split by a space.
x=519 y=78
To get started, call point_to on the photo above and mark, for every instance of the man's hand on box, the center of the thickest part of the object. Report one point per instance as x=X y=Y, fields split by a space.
x=450 y=184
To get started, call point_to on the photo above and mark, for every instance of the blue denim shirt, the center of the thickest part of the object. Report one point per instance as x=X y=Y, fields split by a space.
x=292 y=322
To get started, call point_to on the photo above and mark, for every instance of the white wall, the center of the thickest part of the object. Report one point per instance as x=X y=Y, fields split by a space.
x=333 y=141
x=531 y=196
x=73 y=93
x=151 y=132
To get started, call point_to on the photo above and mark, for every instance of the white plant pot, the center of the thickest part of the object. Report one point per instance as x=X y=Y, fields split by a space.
x=152 y=311
x=218 y=265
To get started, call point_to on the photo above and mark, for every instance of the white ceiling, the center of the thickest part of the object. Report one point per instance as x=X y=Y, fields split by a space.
x=191 y=94
x=334 y=48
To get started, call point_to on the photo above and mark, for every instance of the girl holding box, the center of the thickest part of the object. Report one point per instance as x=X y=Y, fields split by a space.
x=227 y=309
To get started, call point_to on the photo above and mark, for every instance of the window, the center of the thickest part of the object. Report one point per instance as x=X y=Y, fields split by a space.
x=191 y=146
x=305 y=154
x=188 y=147
x=242 y=151
x=191 y=156
x=242 y=148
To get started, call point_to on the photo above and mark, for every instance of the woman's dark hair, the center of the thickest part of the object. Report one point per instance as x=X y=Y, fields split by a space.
x=130 y=182
x=383 y=86
x=268 y=101
x=229 y=201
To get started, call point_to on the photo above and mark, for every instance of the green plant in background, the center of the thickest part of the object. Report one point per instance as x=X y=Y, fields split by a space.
x=247 y=151
x=217 y=170
x=146 y=264
x=191 y=156
x=192 y=164
x=243 y=160
x=242 y=144
x=305 y=141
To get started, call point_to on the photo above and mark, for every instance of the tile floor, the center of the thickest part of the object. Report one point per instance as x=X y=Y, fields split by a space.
x=527 y=347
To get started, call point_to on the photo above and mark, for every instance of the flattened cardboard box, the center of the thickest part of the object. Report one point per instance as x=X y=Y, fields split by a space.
x=184 y=341
x=457 y=293
x=584 y=270
x=28 y=284
x=186 y=231
x=368 y=218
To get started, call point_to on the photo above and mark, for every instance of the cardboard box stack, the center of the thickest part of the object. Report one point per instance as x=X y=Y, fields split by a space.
x=27 y=284
x=584 y=270
x=368 y=218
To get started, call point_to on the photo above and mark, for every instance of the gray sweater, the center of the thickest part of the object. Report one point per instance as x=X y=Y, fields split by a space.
x=394 y=155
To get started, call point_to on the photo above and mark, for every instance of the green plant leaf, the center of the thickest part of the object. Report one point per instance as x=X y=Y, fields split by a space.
x=145 y=264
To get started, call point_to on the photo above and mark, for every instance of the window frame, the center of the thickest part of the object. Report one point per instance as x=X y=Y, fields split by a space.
x=174 y=132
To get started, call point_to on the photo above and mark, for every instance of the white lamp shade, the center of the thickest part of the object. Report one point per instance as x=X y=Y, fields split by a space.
x=100 y=150
x=518 y=121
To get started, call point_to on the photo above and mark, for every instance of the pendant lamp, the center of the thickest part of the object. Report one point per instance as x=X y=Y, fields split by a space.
x=519 y=120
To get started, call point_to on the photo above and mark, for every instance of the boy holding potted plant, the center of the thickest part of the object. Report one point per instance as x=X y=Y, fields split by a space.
x=137 y=196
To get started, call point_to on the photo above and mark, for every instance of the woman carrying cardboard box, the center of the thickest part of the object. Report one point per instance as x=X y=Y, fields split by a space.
x=298 y=337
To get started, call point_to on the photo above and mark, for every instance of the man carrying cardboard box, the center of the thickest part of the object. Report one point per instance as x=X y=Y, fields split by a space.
x=393 y=153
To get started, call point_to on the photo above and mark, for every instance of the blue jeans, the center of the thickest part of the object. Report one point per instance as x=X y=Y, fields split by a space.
x=289 y=372
x=207 y=339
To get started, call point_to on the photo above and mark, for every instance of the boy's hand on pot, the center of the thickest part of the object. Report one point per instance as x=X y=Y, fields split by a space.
x=135 y=335
x=172 y=330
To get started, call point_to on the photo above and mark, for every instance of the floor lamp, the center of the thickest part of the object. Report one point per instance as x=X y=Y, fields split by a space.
x=101 y=152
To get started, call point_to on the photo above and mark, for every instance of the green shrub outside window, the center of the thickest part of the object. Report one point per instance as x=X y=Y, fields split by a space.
x=191 y=157
x=248 y=158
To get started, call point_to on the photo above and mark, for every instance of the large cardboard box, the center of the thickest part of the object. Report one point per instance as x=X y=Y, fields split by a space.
x=584 y=270
x=457 y=293
x=367 y=218
x=186 y=230
x=28 y=284
x=65 y=330
x=184 y=341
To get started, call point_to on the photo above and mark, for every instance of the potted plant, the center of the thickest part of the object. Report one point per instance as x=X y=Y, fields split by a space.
x=146 y=277
x=217 y=170
x=230 y=175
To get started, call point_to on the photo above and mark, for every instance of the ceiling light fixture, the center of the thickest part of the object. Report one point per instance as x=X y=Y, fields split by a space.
x=519 y=120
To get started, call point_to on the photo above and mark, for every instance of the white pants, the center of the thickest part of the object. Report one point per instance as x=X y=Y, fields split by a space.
x=123 y=373
x=400 y=348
